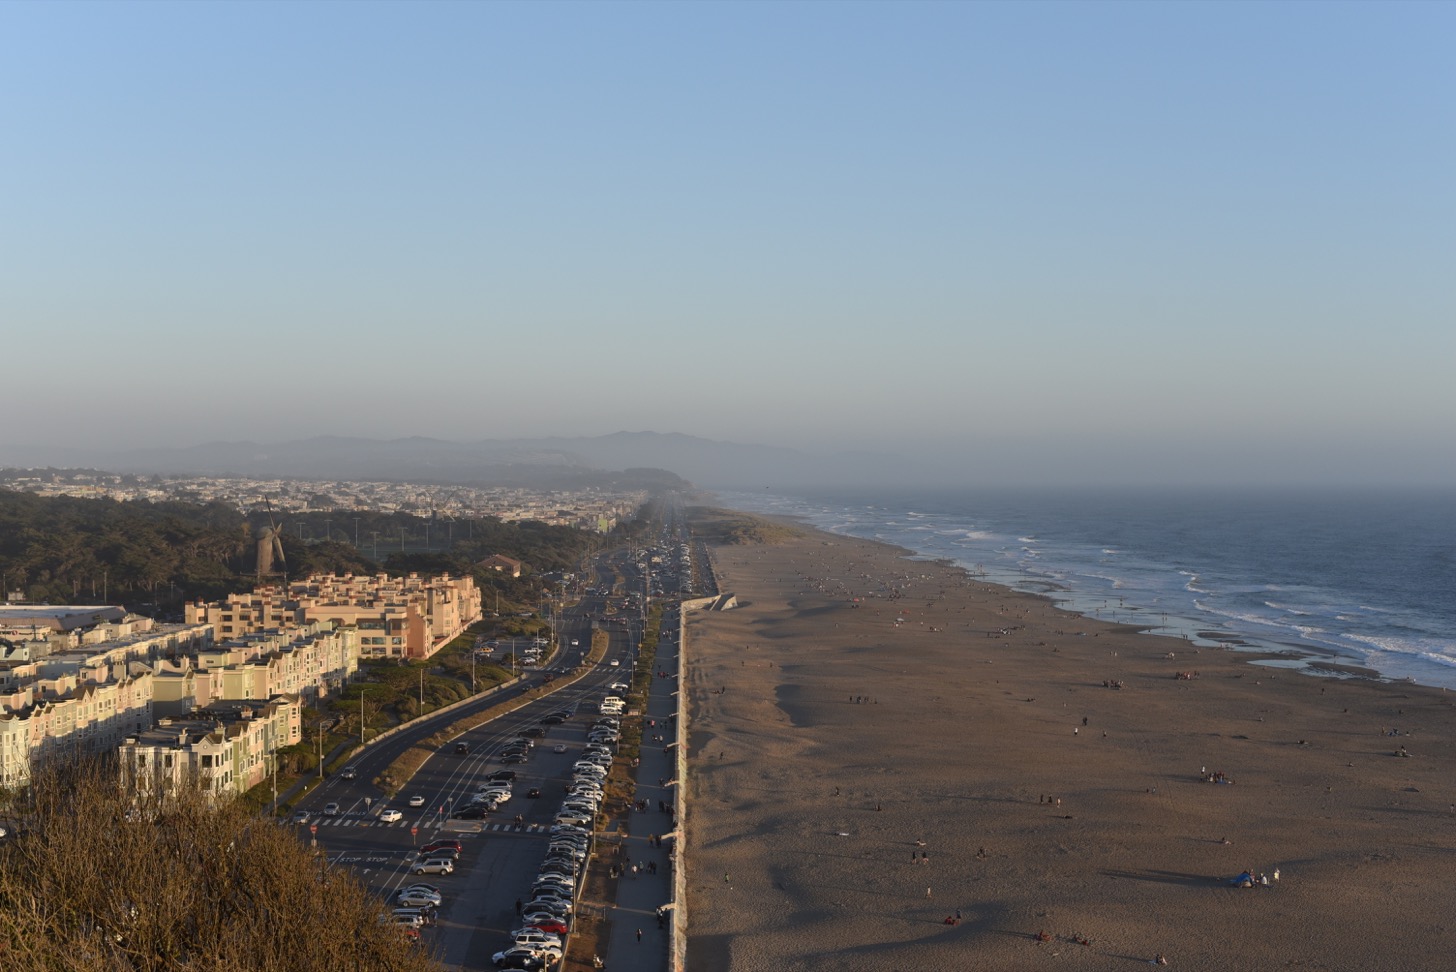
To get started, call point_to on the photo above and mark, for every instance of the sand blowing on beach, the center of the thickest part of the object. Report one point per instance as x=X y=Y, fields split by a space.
x=894 y=765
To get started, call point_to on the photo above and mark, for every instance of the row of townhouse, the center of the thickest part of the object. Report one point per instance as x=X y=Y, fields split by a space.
x=309 y=661
x=92 y=699
x=50 y=717
x=396 y=617
x=228 y=748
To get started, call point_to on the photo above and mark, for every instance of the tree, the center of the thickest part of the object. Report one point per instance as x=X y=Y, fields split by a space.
x=100 y=880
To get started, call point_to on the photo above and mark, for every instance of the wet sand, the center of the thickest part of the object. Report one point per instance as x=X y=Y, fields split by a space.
x=854 y=781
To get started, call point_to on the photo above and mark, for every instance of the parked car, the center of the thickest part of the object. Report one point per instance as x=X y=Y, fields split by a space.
x=435 y=865
x=556 y=926
x=409 y=916
x=435 y=845
x=417 y=898
x=532 y=916
x=573 y=817
x=478 y=811
x=501 y=775
x=555 y=900
x=517 y=957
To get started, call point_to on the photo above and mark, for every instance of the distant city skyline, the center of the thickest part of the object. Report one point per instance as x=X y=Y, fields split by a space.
x=1051 y=243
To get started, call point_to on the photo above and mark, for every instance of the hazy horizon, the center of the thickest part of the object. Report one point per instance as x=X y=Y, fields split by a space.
x=1050 y=243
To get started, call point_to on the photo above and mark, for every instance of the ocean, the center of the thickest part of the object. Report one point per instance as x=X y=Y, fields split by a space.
x=1355 y=578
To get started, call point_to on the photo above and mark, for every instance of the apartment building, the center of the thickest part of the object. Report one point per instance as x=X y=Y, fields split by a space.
x=48 y=717
x=400 y=617
x=228 y=749
x=309 y=662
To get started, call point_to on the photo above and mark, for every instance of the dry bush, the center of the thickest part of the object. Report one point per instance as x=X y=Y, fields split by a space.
x=97 y=880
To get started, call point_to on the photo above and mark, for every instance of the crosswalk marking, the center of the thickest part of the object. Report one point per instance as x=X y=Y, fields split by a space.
x=514 y=828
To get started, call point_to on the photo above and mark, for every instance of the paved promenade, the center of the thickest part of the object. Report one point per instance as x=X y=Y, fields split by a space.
x=639 y=939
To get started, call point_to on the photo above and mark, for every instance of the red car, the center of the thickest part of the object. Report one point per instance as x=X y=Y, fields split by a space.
x=436 y=845
x=553 y=925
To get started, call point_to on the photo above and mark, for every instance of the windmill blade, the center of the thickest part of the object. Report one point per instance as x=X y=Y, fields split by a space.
x=278 y=552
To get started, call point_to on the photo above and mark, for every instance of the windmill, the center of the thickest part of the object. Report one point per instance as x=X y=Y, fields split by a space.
x=270 y=545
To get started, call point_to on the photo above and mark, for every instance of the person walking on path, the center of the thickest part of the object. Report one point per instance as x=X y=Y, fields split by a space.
x=639 y=936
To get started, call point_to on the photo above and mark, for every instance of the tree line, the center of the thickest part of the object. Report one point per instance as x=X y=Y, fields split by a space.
x=152 y=556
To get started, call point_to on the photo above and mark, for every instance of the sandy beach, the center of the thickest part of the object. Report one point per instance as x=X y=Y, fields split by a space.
x=878 y=744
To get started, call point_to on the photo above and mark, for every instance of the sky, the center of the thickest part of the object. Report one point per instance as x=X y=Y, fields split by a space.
x=1058 y=241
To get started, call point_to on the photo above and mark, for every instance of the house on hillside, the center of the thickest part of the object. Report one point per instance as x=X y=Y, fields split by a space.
x=504 y=565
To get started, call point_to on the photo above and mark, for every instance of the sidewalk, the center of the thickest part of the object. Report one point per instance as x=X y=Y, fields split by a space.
x=640 y=895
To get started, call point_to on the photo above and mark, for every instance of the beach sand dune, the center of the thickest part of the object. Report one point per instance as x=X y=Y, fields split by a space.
x=862 y=771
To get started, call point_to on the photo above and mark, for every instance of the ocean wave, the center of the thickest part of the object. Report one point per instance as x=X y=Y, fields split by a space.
x=1028 y=540
x=1207 y=608
x=1192 y=585
x=1110 y=550
x=1116 y=582
x=1285 y=608
x=968 y=534
x=1442 y=652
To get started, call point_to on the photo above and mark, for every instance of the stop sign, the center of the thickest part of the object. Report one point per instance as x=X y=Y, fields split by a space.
x=313 y=828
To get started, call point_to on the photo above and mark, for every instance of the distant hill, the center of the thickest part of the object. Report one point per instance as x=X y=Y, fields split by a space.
x=546 y=463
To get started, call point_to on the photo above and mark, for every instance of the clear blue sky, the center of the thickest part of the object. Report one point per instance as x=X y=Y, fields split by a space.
x=1056 y=237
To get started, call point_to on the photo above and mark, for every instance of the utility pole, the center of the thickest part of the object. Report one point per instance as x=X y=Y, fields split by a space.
x=356 y=531
x=361 y=716
x=422 y=690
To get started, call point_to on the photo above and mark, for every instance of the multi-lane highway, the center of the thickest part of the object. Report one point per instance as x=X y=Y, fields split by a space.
x=500 y=855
